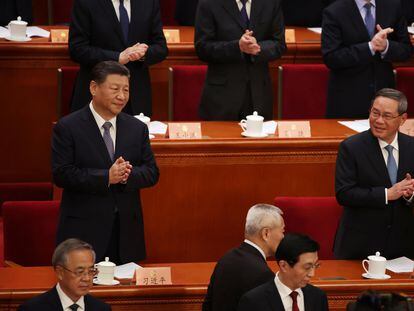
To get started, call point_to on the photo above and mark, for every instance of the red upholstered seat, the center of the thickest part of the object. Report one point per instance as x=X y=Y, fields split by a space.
x=405 y=83
x=30 y=231
x=302 y=91
x=186 y=84
x=60 y=11
x=317 y=217
x=66 y=81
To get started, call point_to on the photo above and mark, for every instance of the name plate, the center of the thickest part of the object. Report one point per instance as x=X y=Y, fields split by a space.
x=408 y=127
x=59 y=35
x=184 y=130
x=290 y=36
x=172 y=35
x=294 y=129
x=153 y=276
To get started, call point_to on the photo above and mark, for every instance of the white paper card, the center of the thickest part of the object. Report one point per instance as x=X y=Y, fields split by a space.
x=357 y=125
x=399 y=265
x=4 y=32
x=411 y=29
x=316 y=29
x=157 y=127
x=126 y=271
x=269 y=127
x=34 y=31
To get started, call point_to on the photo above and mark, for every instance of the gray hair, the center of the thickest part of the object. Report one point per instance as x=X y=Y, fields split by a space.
x=260 y=216
x=60 y=256
x=394 y=95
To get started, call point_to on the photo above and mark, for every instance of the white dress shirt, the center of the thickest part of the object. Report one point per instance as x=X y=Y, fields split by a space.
x=127 y=5
x=248 y=6
x=256 y=247
x=67 y=302
x=100 y=121
x=284 y=293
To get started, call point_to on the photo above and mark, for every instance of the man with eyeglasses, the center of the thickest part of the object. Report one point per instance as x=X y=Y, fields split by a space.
x=297 y=257
x=73 y=261
x=374 y=184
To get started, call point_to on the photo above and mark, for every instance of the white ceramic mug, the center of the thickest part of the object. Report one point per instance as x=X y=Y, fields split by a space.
x=252 y=125
x=376 y=265
x=143 y=118
x=18 y=29
x=106 y=270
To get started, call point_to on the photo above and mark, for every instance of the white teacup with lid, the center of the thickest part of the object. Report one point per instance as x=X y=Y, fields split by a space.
x=143 y=118
x=106 y=270
x=252 y=125
x=18 y=29
x=376 y=265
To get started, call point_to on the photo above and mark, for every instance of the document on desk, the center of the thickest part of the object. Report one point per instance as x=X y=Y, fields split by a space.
x=316 y=29
x=34 y=31
x=399 y=265
x=356 y=125
x=126 y=271
x=269 y=127
x=157 y=127
x=4 y=32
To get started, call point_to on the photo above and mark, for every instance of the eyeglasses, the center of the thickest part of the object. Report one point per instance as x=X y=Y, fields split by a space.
x=386 y=116
x=309 y=267
x=83 y=272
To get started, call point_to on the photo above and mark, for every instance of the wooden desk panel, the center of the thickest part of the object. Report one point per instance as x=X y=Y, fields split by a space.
x=190 y=285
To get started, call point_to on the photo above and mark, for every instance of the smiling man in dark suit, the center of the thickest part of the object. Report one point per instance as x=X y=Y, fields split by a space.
x=373 y=183
x=102 y=157
x=360 y=40
x=297 y=257
x=126 y=31
x=238 y=38
x=73 y=261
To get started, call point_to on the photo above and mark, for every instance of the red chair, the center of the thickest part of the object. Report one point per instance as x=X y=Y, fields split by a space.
x=66 y=81
x=59 y=11
x=317 y=217
x=30 y=231
x=302 y=91
x=185 y=87
x=404 y=77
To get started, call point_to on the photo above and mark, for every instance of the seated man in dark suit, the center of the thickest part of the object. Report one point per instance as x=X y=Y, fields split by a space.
x=73 y=261
x=297 y=257
x=245 y=267
x=373 y=183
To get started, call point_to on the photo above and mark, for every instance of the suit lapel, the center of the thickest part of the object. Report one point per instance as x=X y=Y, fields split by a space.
x=379 y=14
x=112 y=18
x=306 y=298
x=255 y=13
x=374 y=153
x=273 y=296
x=136 y=7
x=356 y=18
x=54 y=300
x=233 y=10
x=403 y=160
x=121 y=129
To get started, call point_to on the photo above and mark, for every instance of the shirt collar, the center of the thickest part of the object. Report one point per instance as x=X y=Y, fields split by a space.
x=394 y=143
x=67 y=302
x=361 y=3
x=99 y=120
x=283 y=290
x=256 y=247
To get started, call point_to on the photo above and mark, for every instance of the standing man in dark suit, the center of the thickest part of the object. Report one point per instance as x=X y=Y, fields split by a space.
x=360 y=40
x=101 y=158
x=238 y=38
x=73 y=261
x=373 y=183
x=11 y=9
x=297 y=257
x=304 y=13
x=126 y=31
x=245 y=267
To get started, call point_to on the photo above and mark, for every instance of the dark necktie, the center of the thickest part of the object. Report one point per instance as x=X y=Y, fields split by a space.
x=369 y=20
x=123 y=19
x=108 y=139
x=391 y=165
x=74 y=307
x=294 y=296
x=243 y=15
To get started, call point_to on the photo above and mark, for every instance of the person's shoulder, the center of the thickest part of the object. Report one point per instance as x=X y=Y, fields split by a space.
x=313 y=291
x=131 y=120
x=259 y=292
x=39 y=302
x=357 y=139
x=338 y=6
x=73 y=117
x=93 y=303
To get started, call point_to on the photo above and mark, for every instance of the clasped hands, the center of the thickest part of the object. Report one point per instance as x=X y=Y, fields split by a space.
x=403 y=188
x=119 y=171
x=379 y=41
x=133 y=53
x=248 y=43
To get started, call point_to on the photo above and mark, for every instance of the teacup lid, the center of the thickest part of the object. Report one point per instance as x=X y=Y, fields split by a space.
x=143 y=117
x=377 y=257
x=18 y=21
x=255 y=117
x=106 y=263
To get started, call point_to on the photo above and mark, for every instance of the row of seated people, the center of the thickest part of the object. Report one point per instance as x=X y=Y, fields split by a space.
x=302 y=90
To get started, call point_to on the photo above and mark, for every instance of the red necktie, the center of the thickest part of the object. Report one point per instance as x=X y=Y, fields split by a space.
x=294 y=296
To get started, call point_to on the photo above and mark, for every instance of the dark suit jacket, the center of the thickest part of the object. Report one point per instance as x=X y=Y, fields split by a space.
x=408 y=9
x=355 y=74
x=11 y=9
x=185 y=11
x=80 y=164
x=368 y=225
x=305 y=13
x=238 y=271
x=49 y=301
x=266 y=298
x=217 y=32
x=95 y=35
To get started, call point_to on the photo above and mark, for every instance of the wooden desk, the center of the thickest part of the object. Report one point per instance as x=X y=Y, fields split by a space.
x=190 y=285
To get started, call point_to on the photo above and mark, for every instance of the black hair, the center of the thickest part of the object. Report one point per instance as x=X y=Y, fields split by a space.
x=106 y=68
x=293 y=245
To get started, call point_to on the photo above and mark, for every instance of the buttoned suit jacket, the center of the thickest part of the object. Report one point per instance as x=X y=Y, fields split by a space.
x=95 y=35
x=367 y=224
x=356 y=74
x=80 y=165
x=218 y=28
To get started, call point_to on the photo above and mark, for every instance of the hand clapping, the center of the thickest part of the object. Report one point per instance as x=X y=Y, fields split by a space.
x=248 y=43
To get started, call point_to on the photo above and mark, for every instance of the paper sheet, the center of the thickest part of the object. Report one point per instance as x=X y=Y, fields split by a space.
x=316 y=29
x=411 y=29
x=269 y=127
x=4 y=32
x=34 y=31
x=399 y=265
x=357 y=125
x=126 y=271
x=157 y=127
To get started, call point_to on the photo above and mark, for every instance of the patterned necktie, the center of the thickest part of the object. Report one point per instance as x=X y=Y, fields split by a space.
x=108 y=139
x=391 y=165
x=294 y=296
x=123 y=19
x=369 y=20
x=243 y=15
x=74 y=307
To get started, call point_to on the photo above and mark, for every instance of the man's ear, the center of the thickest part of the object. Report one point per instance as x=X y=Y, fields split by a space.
x=59 y=273
x=92 y=87
x=283 y=265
